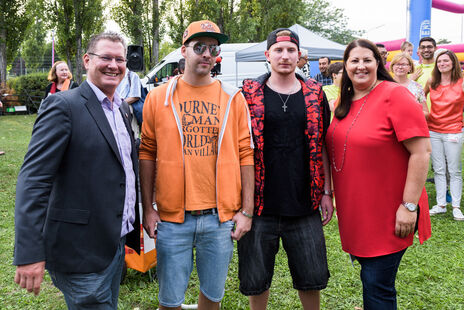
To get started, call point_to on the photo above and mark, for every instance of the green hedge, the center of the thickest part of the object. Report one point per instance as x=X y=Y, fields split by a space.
x=33 y=84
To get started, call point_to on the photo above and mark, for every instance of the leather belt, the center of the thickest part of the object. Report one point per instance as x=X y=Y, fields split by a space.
x=202 y=212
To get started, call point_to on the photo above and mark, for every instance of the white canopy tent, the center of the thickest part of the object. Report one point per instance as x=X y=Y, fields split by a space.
x=316 y=45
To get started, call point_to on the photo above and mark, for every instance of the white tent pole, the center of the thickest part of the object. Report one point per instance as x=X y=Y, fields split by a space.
x=236 y=72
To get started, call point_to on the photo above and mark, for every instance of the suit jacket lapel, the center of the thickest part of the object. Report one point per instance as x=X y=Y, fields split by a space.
x=96 y=110
x=125 y=112
x=127 y=117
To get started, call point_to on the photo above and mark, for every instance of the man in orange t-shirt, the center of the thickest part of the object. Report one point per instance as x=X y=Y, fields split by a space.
x=196 y=156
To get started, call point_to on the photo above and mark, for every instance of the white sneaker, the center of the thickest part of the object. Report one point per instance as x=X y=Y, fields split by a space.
x=457 y=214
x=437 y=210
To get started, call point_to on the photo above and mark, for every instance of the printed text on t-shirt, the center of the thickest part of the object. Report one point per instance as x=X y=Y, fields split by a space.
x=200 y=125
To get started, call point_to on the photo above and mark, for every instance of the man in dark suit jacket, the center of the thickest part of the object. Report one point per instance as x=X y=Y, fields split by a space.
x=76 y=191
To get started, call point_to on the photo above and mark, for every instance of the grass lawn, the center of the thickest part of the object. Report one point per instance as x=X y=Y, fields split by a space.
x=431 y=276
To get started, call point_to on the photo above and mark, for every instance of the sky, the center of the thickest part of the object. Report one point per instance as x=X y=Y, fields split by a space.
x=385 y=20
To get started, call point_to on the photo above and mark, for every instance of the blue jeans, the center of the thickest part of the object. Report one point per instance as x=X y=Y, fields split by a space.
x=378 y=276
x=98 y=290
x=174 y=246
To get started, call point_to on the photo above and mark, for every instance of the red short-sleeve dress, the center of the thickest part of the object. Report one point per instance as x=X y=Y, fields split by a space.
x=369 y=188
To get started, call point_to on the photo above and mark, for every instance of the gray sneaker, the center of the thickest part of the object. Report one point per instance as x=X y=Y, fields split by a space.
x=437 y=210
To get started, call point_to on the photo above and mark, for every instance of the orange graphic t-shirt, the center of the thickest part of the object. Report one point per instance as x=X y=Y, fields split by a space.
x=199 y=110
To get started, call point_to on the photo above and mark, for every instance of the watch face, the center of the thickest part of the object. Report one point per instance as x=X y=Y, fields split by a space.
x=410 y=206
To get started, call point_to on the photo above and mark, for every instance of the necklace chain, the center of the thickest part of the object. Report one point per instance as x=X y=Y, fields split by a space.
x=284 y=106
x=347 y=133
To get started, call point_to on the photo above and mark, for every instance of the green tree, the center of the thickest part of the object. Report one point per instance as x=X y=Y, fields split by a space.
x=129 y=15
x=14 y=20
x=252 y=20
x=166 y=48
x=155 y=31
x=330 y=22
x=257 y=18
x=241 y=20
x=222 y=12
x=140 y=20
x=60 y=17
x=88 y=20
x=75 y=21
x=176 y=19
x=33 y=48
x=47 y=58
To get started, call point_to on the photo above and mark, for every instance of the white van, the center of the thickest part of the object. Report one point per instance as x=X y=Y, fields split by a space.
x=231 y=72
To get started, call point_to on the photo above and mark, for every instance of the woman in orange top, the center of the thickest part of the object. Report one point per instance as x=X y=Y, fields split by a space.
x=445 y=124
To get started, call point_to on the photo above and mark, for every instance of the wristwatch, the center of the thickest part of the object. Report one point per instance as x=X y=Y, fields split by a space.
x=410 y=206
x=328 y=193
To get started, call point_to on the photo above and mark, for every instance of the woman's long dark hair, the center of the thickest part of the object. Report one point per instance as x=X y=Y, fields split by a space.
x=346 y=89
x=455 y=72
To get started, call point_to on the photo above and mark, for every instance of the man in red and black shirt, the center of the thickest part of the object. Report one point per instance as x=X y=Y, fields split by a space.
x=289 y=119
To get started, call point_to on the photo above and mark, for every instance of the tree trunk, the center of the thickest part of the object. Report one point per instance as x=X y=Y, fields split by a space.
x=231 y=9
x=220 y=21
x=79 y=62
x=148 y=36
x=136 y=26
x=69 y=60
x=231 y=18
x=155 y=33
x=67 y=42
x=2 y=58
x=139 y=30
x=181 y=18
x=78 y=12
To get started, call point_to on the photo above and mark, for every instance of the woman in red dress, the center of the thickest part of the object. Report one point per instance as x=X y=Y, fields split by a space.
x=379 y=147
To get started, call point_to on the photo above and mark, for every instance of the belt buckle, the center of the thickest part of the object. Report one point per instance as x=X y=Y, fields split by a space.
x=203 y=212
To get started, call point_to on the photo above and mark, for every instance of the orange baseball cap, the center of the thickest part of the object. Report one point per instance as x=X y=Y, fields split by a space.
x=203 y=28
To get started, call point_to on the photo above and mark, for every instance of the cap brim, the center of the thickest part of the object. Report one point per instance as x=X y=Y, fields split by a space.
x=222 y=38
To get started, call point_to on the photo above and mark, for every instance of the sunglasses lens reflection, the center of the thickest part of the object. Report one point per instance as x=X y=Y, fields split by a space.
x=200 y=48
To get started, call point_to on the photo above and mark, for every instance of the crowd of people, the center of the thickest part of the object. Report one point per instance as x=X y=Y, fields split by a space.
x=258 y=165
x=441 y=102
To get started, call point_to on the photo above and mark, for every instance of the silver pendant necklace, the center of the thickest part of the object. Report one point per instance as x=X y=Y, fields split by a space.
x=347 y=133
x=284 y=106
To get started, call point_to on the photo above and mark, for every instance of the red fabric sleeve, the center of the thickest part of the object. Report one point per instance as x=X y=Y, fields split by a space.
x=406 y=115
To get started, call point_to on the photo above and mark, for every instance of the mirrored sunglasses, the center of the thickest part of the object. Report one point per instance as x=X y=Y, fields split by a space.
x=199 y=48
